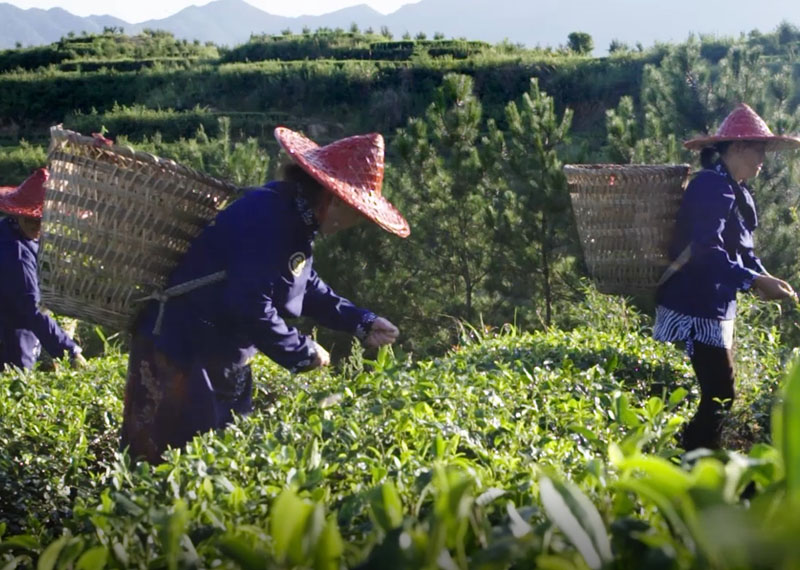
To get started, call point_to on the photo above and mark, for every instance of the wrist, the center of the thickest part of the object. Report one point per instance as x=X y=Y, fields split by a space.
x=364 y=326
x=308 y=359
x=756 y=280
x=306 y=364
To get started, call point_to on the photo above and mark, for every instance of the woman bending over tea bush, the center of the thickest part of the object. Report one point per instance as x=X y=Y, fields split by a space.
x=714 y=259
x=247 y=272
x=24 y=328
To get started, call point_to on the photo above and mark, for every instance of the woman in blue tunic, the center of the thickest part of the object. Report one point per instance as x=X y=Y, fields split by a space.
x=714 y=259
x=230 y=296
x=24 y=328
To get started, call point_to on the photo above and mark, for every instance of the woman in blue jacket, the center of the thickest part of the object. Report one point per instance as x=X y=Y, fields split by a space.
x=714 y=259
x=230 y=296
x=24 y=328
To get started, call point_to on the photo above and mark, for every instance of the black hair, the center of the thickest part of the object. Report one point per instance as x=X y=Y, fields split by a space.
x=308 y=186
x=711 y=154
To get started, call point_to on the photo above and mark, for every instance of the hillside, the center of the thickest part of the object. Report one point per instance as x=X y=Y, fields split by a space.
x=520 y=114
x=352 y=80
x=541 y=23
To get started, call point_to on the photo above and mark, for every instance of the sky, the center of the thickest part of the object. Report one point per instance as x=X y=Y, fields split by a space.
x=141 y=10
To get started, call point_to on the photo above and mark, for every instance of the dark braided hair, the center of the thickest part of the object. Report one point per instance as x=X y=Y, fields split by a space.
x=711 y=154
x=308 y=186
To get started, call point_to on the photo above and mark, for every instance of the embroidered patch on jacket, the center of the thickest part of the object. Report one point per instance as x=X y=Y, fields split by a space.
x=296 y=263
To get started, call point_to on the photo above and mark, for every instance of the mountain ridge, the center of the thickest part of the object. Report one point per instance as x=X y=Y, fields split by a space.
x=534 y=23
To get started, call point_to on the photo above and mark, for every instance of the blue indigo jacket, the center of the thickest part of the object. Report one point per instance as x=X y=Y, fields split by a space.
x=23 y=326
x=717 y=217
x=263 y=241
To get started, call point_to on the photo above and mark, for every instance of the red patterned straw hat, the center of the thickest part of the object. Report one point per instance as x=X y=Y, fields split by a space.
x=27 y=198
x=351 y=168
x=744 y=124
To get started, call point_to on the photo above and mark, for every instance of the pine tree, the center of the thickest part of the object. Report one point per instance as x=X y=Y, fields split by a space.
x=679 y=91
x=444 y=169
x=533 y=216
x=435 y=279
x=623 y=130
x=638 y=139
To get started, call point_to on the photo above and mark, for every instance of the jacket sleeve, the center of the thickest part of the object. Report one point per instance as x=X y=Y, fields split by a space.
x=19 y=289
x=711 y=203
x=330 y=310
x=248 y=297
x=749 y=258
x=751 y=261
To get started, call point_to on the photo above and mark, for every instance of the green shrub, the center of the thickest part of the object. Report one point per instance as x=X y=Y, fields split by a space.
x=17 y=163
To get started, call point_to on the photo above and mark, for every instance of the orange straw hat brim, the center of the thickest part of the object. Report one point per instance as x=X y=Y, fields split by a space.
x=26 y=199
x=744 y=125
x=350 y=168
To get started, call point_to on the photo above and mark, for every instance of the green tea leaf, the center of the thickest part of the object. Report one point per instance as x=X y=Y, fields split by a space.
x=676 y=397
x=236 y=548
x=48 y=559
x=578 y=519
x=172 y=532
x=789 y=426
x=305 y=539
x=329 y=548
x=24 y=542
x=659 y=473
x=386 y=506
x=287 y=521
x=93 y=559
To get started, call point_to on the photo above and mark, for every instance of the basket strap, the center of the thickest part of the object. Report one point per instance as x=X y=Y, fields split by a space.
x=673 y=268
x=176 y=290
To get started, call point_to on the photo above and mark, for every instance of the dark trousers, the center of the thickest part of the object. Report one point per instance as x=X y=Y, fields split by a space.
x=167 y=403
x=713 y=367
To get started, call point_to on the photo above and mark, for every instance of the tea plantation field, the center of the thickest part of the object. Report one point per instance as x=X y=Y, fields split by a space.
x=548 y=450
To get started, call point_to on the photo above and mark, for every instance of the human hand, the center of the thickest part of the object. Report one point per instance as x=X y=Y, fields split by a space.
x=321 y=357
x=79 y=362
x=101 y=140
x=771 y=288
x=382 y=332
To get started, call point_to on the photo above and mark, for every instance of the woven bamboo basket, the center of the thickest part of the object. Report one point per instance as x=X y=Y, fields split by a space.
x=626 y=216
x=115 y=223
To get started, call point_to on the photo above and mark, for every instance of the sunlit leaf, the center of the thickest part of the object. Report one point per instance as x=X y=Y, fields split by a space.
x=48 y=559
x=287 y=521
x=172 y=532
x=329 y=547
x=788 y=427
x=243 y=554
x=93 y=559
x=577 y=518
x=677 y=396
x=24 y=542
x=386 y=506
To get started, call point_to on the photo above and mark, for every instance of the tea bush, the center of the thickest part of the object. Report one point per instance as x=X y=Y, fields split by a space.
x=505 y=451
x=386 y=463
x=57 y=435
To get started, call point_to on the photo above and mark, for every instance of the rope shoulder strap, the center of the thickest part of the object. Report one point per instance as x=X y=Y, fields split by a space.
x=176 y=290
x=675 y=266
x=686 y=254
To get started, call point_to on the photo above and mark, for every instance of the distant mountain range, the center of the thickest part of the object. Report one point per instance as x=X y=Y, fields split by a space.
x=529 y=22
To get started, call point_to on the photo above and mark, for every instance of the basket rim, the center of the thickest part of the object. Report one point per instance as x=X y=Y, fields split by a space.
x=601 y=167
x=58 y=134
